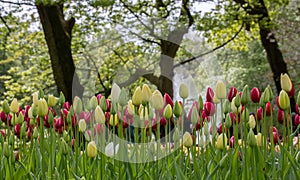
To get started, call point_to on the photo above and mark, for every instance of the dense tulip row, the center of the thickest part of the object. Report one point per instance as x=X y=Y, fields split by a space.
x=152 y=134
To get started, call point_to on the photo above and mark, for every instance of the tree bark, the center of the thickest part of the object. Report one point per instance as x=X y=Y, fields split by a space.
x=269 y=42
x=58 y=36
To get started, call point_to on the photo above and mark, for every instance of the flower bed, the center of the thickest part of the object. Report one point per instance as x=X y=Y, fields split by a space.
x=230 y=135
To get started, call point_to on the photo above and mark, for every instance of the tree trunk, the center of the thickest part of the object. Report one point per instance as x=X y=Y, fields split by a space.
x=269 y=42
x=57 y=33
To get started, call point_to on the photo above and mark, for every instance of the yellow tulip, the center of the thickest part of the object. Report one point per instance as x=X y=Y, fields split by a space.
x=183 y=91
x=99 y=115
x=42 y=109
x=187 y=140
x=14 y=106
x=92 y=149
x=284 y=100
x=157 y=100
x=146 y=94
x=219 y=143
x=285 y=82
x=51 y=100
x=221 y=90
x=137 y=96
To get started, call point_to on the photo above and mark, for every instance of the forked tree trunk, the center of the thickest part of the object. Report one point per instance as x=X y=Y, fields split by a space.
x=58 y=36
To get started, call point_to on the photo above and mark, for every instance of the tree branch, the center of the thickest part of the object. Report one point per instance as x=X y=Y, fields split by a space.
x=212 y=50
x=17 y=3
x=5 y=24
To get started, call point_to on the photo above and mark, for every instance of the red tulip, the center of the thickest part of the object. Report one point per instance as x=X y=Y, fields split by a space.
x=275 y=139
x=259 y=113
x=209 y=108
x=280 y=116
x=67 y=105
x=108 y=104
x=231 y=142
x=163 y=121
x=274 y=129
x=297 y=120
x=255 y=95
x=199 y=125
x=233 y=118
x=205 y=116
x=28 y=134
x=268 y=109
x=209 y=95
x=17 y=130
x=220 y=128
x=232 y=93
x=292 y=91
x=3 y=116
x=168 y=100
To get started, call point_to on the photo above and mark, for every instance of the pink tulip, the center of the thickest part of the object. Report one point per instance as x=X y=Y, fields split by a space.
x=231 y=142
x=99 y=96
x=255 y=95
x=232 y=93
x=67 y=105
x=17 y=130
x=297 y=120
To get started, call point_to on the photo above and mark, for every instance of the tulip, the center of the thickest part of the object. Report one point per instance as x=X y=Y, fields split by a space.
x=226 y=106
x=168 y=100
x=221 y=90
x=220 y=139
x=82 y=125
x=91 y=149
x=113 y=120
x=216 y=100
x=195 y=116
x=130 y=108
x=93 y=102
x=14 y=106
x=5 y=107
x=220 y=128
x=285 y=82
x=228 y=122
x=231 y=142
x=234 y=107
x=232 y=93
x=77 y=104
x=259 y=139
x=284 y=100
x=251 y=138
x=163 y=121
x=168 y=112
x=259 y=113
x=51 y=100
x=245 y=115
x=205 y=127
x=209 y=95
x=35 y=98
x=6 y=149
x=275 y=137
x=200 y=103
x=146 y=94
x=42 y=109
x=252 y=122
x=297 y=120
x=17 y=130
x=110 y=150
x=255 y=95
x=137 y=96
x=67 y=105
x=187 y=140
x=209 y=108
x=99 y=115
x=115 y=93
x=183 y=91
x=176 y=135
x=123 y=98
x=103 y=104
x=157 y=100
x=245 y=95
x=177 y=109
x=269 y=110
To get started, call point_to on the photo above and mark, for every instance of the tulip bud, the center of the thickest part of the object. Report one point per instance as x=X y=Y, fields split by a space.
x=157 y=100
x=93 y=102
x=41 y=94
x=216 y=100
x=137 y=96
x=99 y=115
x=284 y=100
x=187 y=140
x=205 y=127
x=228 y=122
x=209 y=108
x=146 y=94
x=123 y=98
x=130 y=108
x=23 y=130
x=259 y=113
x=298 y=98
x=115 y=93
x=297 y=120
x=176 y=135
x=168 y=112
x=5 y=107
x=219 y=143
x=285 y=82
x=50 y=118
x=168 y=100
x=77 y=104
x=267 y=95
x=14 y=106
x=221 y=90
x=82 y=125
x=195 y=116
x=269 y=110
x=62 y=98
x=255 y=95
x=245 y=95
x=42 y=109
x=251 y=138
x=183 y=91
x=110 y=150
x=226 y=106
x=51 y=100
x=259 y=139
x=252 y=122
x=200 y=103
x=233 y=107
x=270 y=93
x=209 y=95
x=237 y=101
x=35 y=132
x=231 y=142
x=113 y=120
x=20 y=119
x=91 y=149
x=6 y=149
x=232 y=93
x=103 y=104
x=177 y=109
x=245 y=115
